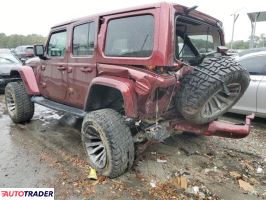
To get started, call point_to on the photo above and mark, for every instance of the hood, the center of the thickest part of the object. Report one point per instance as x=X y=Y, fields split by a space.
x=33 y=60
x=6 y=68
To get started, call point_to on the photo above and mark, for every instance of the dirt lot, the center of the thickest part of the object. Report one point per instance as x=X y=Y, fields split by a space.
x=47 y=153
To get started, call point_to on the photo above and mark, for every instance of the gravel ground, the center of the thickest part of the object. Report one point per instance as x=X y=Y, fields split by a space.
x=47 y=152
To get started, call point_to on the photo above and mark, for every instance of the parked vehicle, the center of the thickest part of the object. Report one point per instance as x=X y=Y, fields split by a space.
x=253 y=50
x=232 y=52
x=136 y=70
x=24 y=52
x=7 y=62
x=254 y=99
x=32 y=61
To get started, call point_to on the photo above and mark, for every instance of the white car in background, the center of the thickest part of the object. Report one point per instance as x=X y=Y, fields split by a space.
x=254 y=99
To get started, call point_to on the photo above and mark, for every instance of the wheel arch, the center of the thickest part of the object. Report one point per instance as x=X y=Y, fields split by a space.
x=105 y=89
x=26 y=74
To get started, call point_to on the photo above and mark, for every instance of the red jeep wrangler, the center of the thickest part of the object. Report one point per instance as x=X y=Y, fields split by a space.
x=150 y=70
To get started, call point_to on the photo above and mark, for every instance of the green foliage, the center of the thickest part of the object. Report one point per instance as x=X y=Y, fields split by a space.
x=15 y=40
x=259 y=41
x=239 y=44
x=201 y=44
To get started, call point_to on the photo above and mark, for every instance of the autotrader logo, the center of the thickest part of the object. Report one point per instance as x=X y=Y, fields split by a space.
x=27 y=193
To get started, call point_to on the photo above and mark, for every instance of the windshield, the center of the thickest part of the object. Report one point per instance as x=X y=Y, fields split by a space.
x=195 y=39
x=8 y=58
x=29 y=50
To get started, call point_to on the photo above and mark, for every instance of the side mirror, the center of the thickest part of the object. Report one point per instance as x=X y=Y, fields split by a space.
x=39 y=51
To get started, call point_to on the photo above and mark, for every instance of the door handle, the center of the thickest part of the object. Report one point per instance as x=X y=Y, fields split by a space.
x=61 y=68
x=86 y=69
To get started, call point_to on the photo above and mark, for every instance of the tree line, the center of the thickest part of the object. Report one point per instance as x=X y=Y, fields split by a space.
x=259 y=41
x=12 y=41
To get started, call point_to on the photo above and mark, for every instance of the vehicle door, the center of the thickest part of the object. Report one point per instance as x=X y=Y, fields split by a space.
x=53 y=80
x=261 y=94
x=81 y=62
x=248 y=102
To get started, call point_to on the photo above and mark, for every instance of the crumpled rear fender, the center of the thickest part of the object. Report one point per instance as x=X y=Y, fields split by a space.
x=28 y=77
x=125 y=86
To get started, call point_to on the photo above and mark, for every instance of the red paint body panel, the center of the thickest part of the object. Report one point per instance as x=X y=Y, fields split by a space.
x=125 y=86
x=229 y=130
x=28 y=77
x=146 y=105
x=216 y=128
x=81 y=71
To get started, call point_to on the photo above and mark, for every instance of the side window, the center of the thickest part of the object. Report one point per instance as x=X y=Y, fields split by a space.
x=130 y=37
x=255 y=65
x=83 y=39
x=29 y=50
x=57 y=44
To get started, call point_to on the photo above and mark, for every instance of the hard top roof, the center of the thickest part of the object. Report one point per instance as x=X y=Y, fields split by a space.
x=133 y=9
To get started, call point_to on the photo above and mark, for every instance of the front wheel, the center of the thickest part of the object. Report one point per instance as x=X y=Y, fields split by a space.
x=108 y=142
x=18 y=103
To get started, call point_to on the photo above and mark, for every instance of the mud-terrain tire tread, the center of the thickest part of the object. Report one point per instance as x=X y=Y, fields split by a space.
x=117 y=136
x=197 y=87
x=24 y=110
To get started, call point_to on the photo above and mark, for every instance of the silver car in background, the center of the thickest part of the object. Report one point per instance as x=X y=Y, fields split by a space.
x=254 y=99
x=7 y=62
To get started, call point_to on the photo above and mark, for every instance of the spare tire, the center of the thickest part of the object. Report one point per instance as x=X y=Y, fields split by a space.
x=202 y=98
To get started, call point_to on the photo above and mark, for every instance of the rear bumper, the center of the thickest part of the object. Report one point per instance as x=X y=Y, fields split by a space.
x=217 y=128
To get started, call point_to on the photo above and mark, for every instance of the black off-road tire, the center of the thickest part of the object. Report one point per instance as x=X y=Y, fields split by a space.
x=110 y=128
x=200 y=92
x=23 y=107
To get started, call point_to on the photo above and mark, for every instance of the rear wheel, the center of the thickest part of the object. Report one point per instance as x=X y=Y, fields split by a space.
x=108 y=142
x=202 y=98
x=18 y=103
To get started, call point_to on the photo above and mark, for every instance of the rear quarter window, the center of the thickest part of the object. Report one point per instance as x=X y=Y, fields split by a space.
x=130 y=37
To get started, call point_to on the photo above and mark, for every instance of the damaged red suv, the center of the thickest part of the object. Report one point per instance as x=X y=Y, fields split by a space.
x=148 y=70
